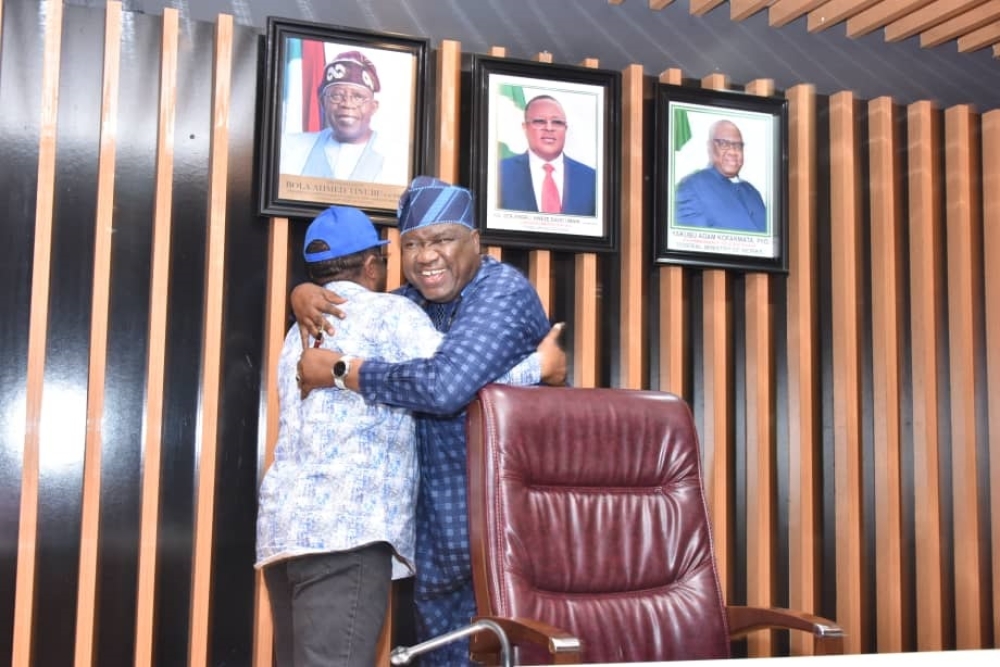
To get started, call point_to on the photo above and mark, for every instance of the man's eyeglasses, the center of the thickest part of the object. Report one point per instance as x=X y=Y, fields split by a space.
x=726 y=145
x=542 y=123
x=340 y=96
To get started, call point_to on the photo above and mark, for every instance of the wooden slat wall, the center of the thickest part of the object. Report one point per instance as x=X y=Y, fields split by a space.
x=991 y=280
x=926 y=281
x=905 y=291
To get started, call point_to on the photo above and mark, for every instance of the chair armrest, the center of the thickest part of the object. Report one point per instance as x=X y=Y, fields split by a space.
x=564 y=648
x=828 y=637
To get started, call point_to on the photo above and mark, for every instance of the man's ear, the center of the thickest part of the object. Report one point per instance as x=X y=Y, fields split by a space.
x=475 y=239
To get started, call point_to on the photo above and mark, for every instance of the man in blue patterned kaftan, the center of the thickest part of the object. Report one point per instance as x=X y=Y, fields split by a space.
x=336 y=516
x=493 y=318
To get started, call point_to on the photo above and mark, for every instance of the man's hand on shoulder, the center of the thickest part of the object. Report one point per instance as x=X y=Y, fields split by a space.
x=310 y=305
x=553 y=357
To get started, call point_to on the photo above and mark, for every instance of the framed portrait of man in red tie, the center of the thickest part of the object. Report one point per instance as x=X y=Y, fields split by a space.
x=544 y=146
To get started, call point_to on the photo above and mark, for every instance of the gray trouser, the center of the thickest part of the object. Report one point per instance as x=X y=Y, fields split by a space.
x=328 y=609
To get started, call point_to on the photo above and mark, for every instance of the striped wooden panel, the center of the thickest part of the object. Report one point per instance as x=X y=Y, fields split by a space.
x=803 y=360
x=760 y=438
x=496 y=252
x=37 y=335
x=991 y=279
x=632 y=308
x=201 y=587
x=448 y=88
x=887 y=309
x=275 y=326
x=964 y=248
x=674 y=318
x=717 y=443
x=586 y=327
x=926 y=279
x=91 y=502
x=586 y=308
x=540 y=261
x=845 y=241
x=156 y=355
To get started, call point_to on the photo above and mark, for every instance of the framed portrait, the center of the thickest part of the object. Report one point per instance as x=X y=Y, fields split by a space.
x=343 y=119
x=544 y=154
x=720 y=175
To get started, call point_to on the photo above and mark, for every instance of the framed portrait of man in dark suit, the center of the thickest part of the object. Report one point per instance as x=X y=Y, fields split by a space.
x=720 y=170
x=343 y=119
x=544 y=145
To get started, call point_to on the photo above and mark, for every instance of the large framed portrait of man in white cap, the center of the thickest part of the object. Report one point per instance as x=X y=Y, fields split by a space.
x=343 y=119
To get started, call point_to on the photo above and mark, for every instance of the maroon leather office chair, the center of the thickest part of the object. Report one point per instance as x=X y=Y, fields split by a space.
x=588 y=520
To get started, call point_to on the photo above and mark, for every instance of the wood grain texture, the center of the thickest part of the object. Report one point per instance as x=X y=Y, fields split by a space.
x=275 y=326
x=845 y=241
x=803 y=306
x=201 y=584
x=86 y=599
x=964 y=248
x=887 y=310
x=633 y=253
x=719 y=395
x=156 y=354
x=674 y=309
x=927 y=294
x=760 y=438
x=991 y=264
x=586 y=311
x=37 y=335
x=448 y=89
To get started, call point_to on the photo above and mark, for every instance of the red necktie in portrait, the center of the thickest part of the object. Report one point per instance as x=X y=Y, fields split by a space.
x=550 y=193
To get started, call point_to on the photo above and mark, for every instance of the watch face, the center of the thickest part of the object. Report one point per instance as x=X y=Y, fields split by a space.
x=340 y=369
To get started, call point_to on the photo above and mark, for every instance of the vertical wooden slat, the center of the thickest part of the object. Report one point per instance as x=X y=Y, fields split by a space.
x=152 y=425
x=926 y=330
x=673 y=308
x=540 y=261
x=90 y=522
x=632 y=306
x=760 y=439
x=964 y=309
x=991 y=280
x=449 y=74
x=395 y=266
x=496 y=252
x=718 y=425
x=27 y=539
x=585 y=327
x=212 y=343
x=887 y=285
x=803 y=364
x=845 y=245
x=275 y=326
x=585 y=298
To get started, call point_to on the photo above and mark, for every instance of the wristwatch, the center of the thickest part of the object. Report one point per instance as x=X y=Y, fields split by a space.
x=340 y=371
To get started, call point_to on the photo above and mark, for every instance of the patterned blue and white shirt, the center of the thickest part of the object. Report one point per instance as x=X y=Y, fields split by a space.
x=345 y=470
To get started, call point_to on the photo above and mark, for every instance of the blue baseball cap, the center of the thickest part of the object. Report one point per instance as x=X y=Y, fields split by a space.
x=345 y=229
x=429 y=201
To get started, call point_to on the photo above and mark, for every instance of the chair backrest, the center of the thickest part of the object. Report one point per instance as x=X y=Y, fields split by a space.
x=587 y=512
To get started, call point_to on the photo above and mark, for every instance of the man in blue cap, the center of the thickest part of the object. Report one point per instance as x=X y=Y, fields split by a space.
x=493 y=318
x=336 y=516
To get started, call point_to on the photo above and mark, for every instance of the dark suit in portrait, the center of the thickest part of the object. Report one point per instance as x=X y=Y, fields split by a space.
x=579 y=191
x=706 y=198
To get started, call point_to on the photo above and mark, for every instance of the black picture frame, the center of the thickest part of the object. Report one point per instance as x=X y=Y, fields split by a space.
x=589 y=99
x=297 y=174
x=701 y=219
